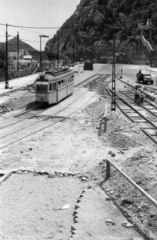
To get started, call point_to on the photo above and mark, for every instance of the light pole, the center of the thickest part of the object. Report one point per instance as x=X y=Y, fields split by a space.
x=41 y=36
x=6 y=59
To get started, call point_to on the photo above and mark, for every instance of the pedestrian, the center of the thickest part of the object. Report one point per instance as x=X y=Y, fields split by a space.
x=141 y=97
x=136 y=95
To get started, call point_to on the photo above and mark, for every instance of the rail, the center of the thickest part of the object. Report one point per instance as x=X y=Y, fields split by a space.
x=29 y=110
x=144 y=193
x=147 y=95
x=147 y=120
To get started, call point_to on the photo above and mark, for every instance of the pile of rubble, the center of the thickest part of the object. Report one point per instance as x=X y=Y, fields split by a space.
x=141 y=166
x=119 y=131
x=31 y=88
x=3 y=109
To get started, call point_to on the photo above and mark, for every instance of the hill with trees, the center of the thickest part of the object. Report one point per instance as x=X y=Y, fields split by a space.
x=88 y=33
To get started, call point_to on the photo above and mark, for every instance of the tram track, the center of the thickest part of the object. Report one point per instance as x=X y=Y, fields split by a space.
x=36 y=127
x=136 y=115
x=29 y=113
x=87 y=81
x=147 y=105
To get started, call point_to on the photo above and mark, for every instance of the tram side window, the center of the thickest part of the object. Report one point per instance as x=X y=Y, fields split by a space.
x=54 y=86
x=50 y=86
x=59 y=84
x=63 y=83
x=71 y=79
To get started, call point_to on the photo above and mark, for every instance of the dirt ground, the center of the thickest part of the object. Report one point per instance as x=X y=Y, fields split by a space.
x=74 y=147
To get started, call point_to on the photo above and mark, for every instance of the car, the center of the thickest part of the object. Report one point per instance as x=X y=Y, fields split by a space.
x=146 y=79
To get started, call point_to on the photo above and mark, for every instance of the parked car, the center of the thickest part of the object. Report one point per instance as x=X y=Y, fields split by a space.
x=146 y=79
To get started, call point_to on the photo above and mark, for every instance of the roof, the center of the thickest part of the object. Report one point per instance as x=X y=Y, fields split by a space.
x=54 y=75
x=12 y=45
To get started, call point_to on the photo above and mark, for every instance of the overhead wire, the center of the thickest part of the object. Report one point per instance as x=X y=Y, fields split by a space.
x=29 y=27
x=33 y=27
x=27 y=39
x=11 y=25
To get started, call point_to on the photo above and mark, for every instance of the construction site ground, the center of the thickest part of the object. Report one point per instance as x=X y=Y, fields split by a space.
x=58 y=190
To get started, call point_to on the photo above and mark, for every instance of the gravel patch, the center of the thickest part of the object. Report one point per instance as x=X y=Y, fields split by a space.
x=32 y=207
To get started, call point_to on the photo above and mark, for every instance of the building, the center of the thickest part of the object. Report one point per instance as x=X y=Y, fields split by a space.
x=24 y=49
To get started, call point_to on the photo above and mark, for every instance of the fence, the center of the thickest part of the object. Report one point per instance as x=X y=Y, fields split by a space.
x=108 y=174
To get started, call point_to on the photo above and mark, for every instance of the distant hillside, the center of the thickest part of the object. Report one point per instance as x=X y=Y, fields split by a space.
x=12 y=45
x=90 y=29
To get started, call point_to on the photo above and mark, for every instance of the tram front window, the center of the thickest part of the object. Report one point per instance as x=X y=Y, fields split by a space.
x=41 y=88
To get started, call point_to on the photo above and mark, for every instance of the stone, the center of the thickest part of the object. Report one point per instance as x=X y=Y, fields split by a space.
x=51 y=175
x=108 y=199
x=109 y=221
x=113 y=155
x=111 y=192
x=127 y=225
x=84 y=179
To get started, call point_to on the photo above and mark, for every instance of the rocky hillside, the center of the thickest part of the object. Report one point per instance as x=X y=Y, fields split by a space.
x=88 y=33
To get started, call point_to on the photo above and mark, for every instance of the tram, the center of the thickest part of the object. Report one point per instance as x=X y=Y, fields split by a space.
x=54 y=85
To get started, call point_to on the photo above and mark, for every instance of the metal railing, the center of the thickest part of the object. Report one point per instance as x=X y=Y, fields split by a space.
x=144 y=193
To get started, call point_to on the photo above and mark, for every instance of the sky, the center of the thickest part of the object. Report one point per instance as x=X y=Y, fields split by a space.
x=34 y=13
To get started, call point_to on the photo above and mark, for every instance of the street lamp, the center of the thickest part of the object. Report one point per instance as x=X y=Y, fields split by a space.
x=41 y=36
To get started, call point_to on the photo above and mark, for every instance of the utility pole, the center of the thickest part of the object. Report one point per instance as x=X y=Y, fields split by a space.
x=17 y=51
x=113 y=99
x=41 y=36
x=6 y=59
x=40 y=64
x=58 y=52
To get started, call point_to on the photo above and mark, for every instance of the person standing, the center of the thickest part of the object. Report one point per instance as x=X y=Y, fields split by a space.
x=136 y=95
x=141 y=97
